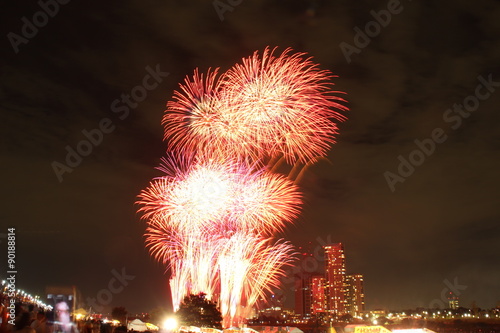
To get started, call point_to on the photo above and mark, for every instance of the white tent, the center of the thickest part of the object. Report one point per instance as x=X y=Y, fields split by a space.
x=137 y=325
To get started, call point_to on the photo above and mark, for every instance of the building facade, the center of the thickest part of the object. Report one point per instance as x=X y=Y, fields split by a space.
x=332 y=292
x=303 y=295
x=318 y=304
x=354 y=294
x=335 y=279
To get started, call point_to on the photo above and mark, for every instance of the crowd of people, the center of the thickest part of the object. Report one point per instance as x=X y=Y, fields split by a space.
x=22 y=317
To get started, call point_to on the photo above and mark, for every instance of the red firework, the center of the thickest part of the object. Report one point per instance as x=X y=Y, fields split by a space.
x=265 y=107
x=286 y=102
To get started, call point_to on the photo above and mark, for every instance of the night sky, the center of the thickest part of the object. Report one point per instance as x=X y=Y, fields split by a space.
x=406 y=81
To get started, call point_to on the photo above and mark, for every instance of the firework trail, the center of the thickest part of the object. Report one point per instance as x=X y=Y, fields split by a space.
x=185 y=256
x=249 y=266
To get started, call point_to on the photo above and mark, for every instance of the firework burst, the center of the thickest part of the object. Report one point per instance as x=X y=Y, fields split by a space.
x=222 y=196
x=199 y=119
x=286 y=102
x=267 y=106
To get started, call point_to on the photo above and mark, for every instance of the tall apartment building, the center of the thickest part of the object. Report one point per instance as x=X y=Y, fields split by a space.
x=303 y=295
x=335 y=279
x=318 y=303
x=354 y=294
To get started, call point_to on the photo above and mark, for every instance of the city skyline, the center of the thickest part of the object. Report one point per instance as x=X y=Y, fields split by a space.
x=310 y=295
x=329 y=290
x=410 y=188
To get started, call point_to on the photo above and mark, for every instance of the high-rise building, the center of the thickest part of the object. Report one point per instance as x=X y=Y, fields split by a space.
x=331 y=292
x=354 y=294
x=310 y=294
x=335 y=279
x=318 y=303
x=305 y=273
x=303 y=294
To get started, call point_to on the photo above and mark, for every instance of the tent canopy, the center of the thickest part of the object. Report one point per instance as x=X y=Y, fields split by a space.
x=137 y=325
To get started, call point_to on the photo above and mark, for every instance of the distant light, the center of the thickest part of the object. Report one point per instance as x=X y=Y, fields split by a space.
x=170 y=324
